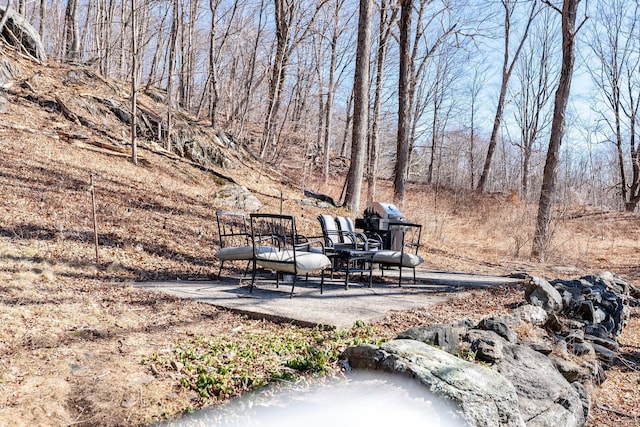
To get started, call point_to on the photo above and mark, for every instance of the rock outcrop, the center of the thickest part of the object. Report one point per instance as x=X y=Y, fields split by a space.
x=532 y=367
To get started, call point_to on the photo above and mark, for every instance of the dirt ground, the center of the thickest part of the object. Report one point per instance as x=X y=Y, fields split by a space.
x=80 y=346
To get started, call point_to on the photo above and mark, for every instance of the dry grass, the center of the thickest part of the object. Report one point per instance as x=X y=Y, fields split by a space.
x=74 y=333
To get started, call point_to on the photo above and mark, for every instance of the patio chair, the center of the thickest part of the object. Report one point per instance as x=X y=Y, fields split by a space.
x=372 y=243
x=290 y=253
x=347 y=249
x=235 y=239
x=404 y=243
x=336 y=238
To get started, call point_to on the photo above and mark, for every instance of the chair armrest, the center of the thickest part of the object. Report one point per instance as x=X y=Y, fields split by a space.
x=307 y=244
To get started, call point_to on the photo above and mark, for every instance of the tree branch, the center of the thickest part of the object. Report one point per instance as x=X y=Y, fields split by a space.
x=554 y=7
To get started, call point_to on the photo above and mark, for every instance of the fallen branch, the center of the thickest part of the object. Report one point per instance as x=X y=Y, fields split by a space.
x=66 y=111
x=615 y=411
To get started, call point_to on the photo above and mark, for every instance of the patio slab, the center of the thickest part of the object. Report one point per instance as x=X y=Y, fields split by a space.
x=337 y=307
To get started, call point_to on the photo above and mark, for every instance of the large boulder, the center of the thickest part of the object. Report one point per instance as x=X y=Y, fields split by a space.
x=542 y=294
x=545 y=397
x=483 y=396
x=444 y=337
x=237 y=197
x=19 y=32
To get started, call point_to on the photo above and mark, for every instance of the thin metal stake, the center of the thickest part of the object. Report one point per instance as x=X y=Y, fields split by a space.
x=95 y=221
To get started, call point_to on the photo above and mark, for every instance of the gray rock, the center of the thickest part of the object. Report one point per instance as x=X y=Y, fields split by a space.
x=482 y=395
x=545 y=397
x=562 y=347
x=239 y=197
x=443 y=336
x=606 y=356
x=531 y=314
x=571 y=371
x=598 y=374
x=24 y=33
x=540 y=293
x=499 y=326
x=582 y=349
x=584 y=397
x=608 y=343
x=575 y=335
x=487 y=345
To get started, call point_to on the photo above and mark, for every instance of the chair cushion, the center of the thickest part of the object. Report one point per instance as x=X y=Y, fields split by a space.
x=306 y=262
x=393 y=257
x=329 y=229
x=240 y=253
x=345 y=224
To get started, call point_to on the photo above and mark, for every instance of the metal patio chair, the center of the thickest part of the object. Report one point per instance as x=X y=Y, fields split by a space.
x=403 y=253
x=289 y=252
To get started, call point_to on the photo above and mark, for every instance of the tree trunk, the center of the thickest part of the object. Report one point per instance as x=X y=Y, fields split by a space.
x=134 y=83
x=386 y=20
x=248 y=95
x=72 y=37
x=347 y=124
x=173 y=40
x=360 y=108
x=328 y=119
x=43 y=13
x=541 y=237
x=507 y=70
x=402 y=152
x=213 y=78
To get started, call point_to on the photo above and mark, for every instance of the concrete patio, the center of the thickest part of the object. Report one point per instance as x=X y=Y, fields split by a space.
x=337 y=307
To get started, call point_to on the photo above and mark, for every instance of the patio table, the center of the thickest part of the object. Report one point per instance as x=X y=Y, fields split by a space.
x=351 y=261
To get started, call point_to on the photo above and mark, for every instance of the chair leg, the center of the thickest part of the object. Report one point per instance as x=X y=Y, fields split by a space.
x=246 y=269
x=293 y=285
x=220 y=269
x=321 y=281
x=253 y=276
x=346 y=276
x=400 y=276
x=414 y=275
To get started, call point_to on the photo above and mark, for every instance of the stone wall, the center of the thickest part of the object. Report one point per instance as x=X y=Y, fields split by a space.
x=533 y=367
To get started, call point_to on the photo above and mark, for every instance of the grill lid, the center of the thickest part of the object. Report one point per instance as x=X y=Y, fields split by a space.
x=386 y=210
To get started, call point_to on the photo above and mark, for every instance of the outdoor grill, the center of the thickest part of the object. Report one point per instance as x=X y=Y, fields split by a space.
x=376 y=220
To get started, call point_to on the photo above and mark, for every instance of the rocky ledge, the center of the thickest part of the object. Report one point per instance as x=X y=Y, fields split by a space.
x=533 y=367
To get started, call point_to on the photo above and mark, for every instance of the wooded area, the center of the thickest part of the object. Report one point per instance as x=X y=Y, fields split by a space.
x=451 y=93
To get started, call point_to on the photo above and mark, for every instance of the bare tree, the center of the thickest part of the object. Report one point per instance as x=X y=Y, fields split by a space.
x=404 y=103
x=431 y=31
x=474 y=89
x=134 y=82
x=388 y=14
x=72 y=36
x=508 y=65
x=615 y=45
x=353 y=186
x=331 y=87
x=291 y=29
x=541 y=237
x=173 y=42
x=534 y=92
x=247 y=47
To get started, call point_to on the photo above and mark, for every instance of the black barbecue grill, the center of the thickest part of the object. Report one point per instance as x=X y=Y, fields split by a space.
x=376 y=220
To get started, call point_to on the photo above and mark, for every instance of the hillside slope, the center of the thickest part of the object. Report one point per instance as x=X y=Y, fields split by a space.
x=78 y=344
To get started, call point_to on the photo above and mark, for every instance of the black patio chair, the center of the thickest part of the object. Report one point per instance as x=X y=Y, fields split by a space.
x=235 y=239
x=289 y=252
x=346 y=226
x=404 y=242
x=348 y=250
